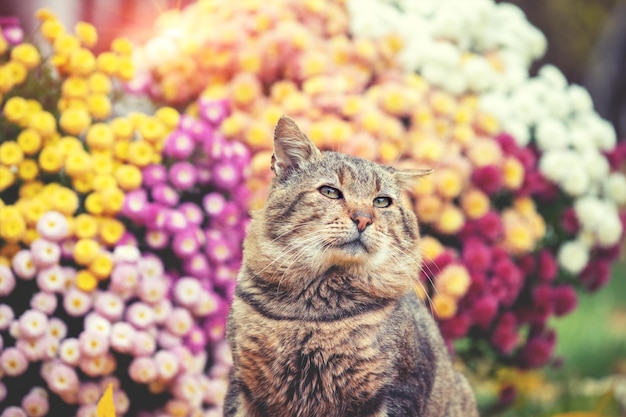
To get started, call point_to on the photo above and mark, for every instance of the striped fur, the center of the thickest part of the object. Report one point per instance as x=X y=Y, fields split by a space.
x=324 y=322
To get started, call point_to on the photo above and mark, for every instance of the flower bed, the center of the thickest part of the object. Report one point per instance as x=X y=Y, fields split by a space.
x=121 y=231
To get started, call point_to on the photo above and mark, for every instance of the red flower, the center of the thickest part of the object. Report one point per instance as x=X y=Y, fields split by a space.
x=595 y=275
x=569 y=221
x=476 y=255
x=504 y=336
x=455 y=327
x=484 y=310
x=565 y=300
x=539 y=349
x=490 y=226
x=548 y=267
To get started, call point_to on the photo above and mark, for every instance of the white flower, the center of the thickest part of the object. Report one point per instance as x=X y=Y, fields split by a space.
x=526 y=106
x=126 y=253
x=96 y=323
x=551 y=134
x=600 y=219
x=555 y=164
x=601 y=132
x=478 y=73
x=609 y=229
x=579 y=98
x=595 y=164
x=518 y=130
x=553 y=76
x=573 y=256
x=615 y=187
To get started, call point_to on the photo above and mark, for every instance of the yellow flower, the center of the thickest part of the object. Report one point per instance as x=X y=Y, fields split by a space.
x=82 y=62
x=451 y=220
x=6 y=80
x=101 y=266
x=122 y=46
x=169 y=116
x=431 y=247
x=28 y=170
x=30 y=189
x=65 y=201
x=99 y=106
x=140 y=153
x=513 y=173
x=100 y=136
x=77 y=163
x=151 y=129
x=454 y=280
x=99 y=83
x=449 y=182
x=29 y=141
x=75 y=87
x=120 y=150
x=444 y=306
x=4 y=45
x=69 y=144
x=87 y=33
x=50 y=159
x=64 y=45
x=108 y=63
x=26 y=54
x=34 y=209
x=388 y=152
x=518 y=238
x=10 y=153
x=102 y=163
x=94 y=204
x=428 y=208
x=83 y=184
x=122 y=128
x=85 y=226
x=13 y=224
x=128 y=177
x=103 y=181
x=15 y=110
x=18 y=72
x=125 y=69
x=475 y=203
x=51 y=29
x=85 y=281
x=111 y=230
x=7 y=178
x=30 y=236
x=85 y=251
x=74 y=121
x=112 y=200
x=43 y=122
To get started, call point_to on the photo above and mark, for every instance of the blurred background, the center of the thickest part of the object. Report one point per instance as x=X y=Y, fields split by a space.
x=587 y=42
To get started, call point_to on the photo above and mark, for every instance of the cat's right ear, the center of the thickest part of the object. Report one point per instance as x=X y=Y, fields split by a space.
x=291 y=147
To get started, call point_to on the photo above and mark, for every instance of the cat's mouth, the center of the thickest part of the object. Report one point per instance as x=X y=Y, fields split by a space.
x=355 y=247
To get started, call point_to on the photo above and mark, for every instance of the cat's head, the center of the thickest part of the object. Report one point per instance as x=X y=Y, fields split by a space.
x=330 y=210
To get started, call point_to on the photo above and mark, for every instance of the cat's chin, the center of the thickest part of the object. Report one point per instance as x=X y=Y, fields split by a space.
x=353 y=252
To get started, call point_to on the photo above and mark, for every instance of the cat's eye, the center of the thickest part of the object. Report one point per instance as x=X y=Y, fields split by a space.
x=382 y=202
x=330 y=192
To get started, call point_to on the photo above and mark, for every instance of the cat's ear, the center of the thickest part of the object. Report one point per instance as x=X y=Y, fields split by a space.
x=406 y=178
x=291 y=146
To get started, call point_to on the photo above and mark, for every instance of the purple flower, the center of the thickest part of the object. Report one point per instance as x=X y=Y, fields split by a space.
x=197 y=265
x=214 y=111
x=226 y=175
x=538 y=349
x=175 y=221
x=185 y=243
x=183 y=175
x=179 y=145
x=192 y=212
x=7 y=280
x=165 y=195
x=11 y=30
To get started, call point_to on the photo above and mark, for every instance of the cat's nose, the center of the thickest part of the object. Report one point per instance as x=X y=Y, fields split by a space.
x=361 y=219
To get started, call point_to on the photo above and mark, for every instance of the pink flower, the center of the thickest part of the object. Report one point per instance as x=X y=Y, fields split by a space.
x=187 y=291
x=11 y=30
x=565 y=300
x=175 y=221
x=35 y=405
x=504 y=336
x=196 y=340
x=455 y=327
x=490 y=226
x=140 y=315
x=135 y=203
x=144 y=344
x=13 y=361
x=97 y=324
x=179 y=322
x=109 y=305
x=24 y=265
x=508 y=279
x=569 y=221
x=197 y=265
x=167 y=364
x=122 y=337
x=226 y=175
x=45 y=252
x=32 y=348
x=92 y=344
x=89 y=393
x=7 y=280
x=124 y=277
x=33 y=323
x=87 y=410
x=44 y=302
x=3 y=390
x=162 y=310
x=168 y=340
x=157 y=239
x=213 y=203
x=142 y=370
x=476 y=255
x=63 y=379
x=207 y=303
x=69 y=351
x=185 y=243
x=214 y=111
x=150 y=267
x=183 y=175
x=56 y=328
x=548 y=267
x=179 y=145
x=154 y=174
x=152 y=290
x=13 y=411
x=51 y=279
x=76 y=302
x=53 y=226
x=6 y=316
x=192 y=213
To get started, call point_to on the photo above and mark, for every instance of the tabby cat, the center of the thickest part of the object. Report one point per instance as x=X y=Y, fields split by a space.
x=324 y=322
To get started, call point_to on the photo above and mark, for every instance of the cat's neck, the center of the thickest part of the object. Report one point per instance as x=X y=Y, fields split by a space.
x=332 y=295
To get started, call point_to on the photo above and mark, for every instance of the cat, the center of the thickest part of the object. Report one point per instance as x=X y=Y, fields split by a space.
x=324 y=322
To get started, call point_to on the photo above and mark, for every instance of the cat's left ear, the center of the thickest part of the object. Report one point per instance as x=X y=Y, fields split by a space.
x=291 y=146
x=406 y=178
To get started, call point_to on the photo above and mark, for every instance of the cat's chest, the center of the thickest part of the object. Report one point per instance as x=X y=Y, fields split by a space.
x=310 y=366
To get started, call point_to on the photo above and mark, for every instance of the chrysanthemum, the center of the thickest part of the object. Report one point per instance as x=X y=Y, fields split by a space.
x=7 y=280
x=24 y=265
x=6 y=316
x=63 y=379
x=33 y=323
x=76 y=303
x=167 y=364
x=13 y=361
x=144 y=344
x=140 y=315
x=143 y=370
x=122 y=337
x=44 y=302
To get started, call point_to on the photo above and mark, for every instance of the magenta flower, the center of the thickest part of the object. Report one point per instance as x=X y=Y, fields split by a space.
x=213 y=111
x=476 y=255
x=165 y=195
x=455 y=327
x=565 y=300
x=11 y=30
x=538 y=350
x=135 y=203
x=157 y=239
x=183 y=175
x=213 y=203
x=487 y=178
x=226 y=175
x=196 y=339
x=484 y=310
x=154 y=174
x=596 y=274
x=185 y=243
x=179 y=145
x=192 y=212
x=175 y=221
x=197 y=265
x=504 y=336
